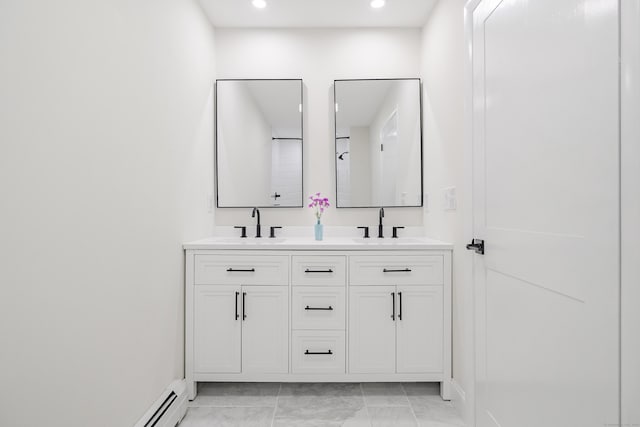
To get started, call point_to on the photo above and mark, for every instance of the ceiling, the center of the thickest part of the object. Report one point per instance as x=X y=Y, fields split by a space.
x=279 y=101
x=317 y=13
x=359 y=101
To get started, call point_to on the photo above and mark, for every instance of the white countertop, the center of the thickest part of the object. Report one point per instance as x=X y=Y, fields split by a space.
x=308 y=243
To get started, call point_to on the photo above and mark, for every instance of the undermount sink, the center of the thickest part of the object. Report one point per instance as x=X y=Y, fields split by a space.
x=252 y=240
x=387 y=241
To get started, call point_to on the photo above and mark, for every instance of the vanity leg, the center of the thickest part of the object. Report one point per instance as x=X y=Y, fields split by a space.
x=189 y=304
x=191 y=389
x=445 y=390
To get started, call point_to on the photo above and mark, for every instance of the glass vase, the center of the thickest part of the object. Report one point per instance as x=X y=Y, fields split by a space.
x=318 y=228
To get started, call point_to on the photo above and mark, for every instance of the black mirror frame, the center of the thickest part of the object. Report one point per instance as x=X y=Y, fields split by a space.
x=215 y=145
x=335 y=125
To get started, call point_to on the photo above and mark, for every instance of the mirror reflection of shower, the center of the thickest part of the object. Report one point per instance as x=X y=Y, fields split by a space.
x=343 y=166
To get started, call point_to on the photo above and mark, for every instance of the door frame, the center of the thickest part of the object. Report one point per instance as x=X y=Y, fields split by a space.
x=469 y=409
x=630 y=211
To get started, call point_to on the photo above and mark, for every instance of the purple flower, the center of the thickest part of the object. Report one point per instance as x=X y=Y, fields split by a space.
x=320 y=203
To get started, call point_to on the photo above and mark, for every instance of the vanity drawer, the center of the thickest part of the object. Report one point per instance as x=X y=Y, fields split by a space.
x=396 y=270
x=318 y=307
x=321 y=352
x=241 y=270
x=319 y=270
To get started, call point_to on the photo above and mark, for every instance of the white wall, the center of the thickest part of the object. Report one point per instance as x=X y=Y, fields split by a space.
x=359 y=161
x=318 y=56
x=105 y=163
x=398 y=166
x=443 y=50
x=242 y=129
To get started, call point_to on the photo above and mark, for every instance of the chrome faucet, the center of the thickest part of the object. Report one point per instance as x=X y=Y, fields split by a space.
x=253 y=215
x=380 y=229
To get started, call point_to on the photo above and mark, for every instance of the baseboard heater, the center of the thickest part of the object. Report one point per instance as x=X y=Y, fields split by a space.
x=169 y=409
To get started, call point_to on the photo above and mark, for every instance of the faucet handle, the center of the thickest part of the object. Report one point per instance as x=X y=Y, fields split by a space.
x=244 y=230
x=273 y=232
x=395 y=232
x=366 y=232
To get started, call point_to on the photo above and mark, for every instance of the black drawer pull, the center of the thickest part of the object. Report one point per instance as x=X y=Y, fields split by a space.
x=403 y=270
x=239 y=270
x=318 y=271
x=318 y=352
x=318 y=308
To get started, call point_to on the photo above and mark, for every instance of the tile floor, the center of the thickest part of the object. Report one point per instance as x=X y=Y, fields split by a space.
x=320 y=405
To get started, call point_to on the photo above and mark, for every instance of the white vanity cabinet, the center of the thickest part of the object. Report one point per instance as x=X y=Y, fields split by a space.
x=240 y=314
x=217 y=329
x=318 y=308
x=240 y=329
x=396 y=329
x=396 y=314
x=318 y=312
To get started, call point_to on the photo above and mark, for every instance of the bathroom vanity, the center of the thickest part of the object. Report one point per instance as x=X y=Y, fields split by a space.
x=300 y=310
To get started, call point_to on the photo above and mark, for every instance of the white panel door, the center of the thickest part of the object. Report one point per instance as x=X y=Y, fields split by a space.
x=419 y=329
x=265 y=329
x=546 y=202
x=372 y=329
x=216 y=329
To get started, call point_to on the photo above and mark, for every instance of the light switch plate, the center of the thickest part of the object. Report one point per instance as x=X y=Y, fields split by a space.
x=450 y=199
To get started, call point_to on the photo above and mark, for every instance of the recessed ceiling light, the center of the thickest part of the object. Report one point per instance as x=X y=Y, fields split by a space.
x=376 y=4
x=261 y=4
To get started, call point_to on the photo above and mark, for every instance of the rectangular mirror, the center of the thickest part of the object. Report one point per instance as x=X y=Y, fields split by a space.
x=258 y=143
x=378 y=143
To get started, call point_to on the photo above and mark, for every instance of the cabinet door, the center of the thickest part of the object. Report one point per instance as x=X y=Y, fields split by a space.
x=265 y=329
x=216 y=331
x=419 y=329
x=372 y=331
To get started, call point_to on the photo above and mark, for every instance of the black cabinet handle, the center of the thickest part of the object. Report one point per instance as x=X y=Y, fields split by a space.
x=240 y=270
x=319 y=271
x=403 y=270
x=318 y=308
x=318 y=352
x=237 y=316
x=244 y=310
x=400 y=312
x=393 y=304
